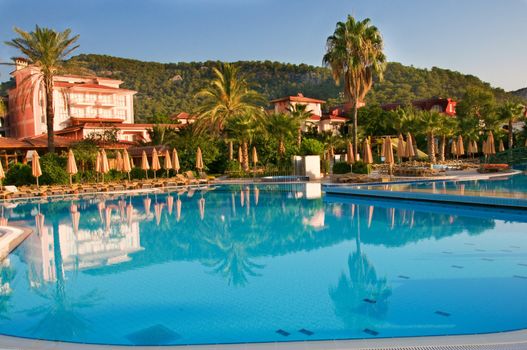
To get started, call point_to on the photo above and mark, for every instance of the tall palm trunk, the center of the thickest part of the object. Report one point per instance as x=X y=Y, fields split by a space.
x=299 y=137
x=50 y=113
x=511 y=134
x=431 y=147
x=355 y=125
x=245 y=156
x=231 y=151
x=442 y=148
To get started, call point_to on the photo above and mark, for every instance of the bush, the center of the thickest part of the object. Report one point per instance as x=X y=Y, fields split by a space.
x=359 y=167
x=311 y=147
x=53 y=170
x=19 y=174
x=341 y=168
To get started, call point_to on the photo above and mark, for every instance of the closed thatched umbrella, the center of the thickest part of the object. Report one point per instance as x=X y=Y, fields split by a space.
x=199 y=160
x=453 y=148
x=460 y=146
x=167 y=164
x=388 y=151
x=144 y=163
x=491 y=148
x=155 y=162
x=401 y=149
x=367 y=156
x=2 y=173
x=36 y=171
x=175 y=161
x=146 y=204
x=158 y=211
x=350 y=158
x=39 y=222
x=255 y=156
x=501 y=147
x=127 y=167
x=119 y=162
x=388 y=154
x=470 y=148
x=410 y=151
x=98 y=165
x=475 y=147
x=105 y=166
x=71 y=166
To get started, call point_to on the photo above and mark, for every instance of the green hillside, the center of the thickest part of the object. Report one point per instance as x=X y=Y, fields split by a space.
x=164 y=89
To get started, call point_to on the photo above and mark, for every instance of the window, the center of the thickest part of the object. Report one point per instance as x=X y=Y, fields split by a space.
x=121 y=101
x=121 y=113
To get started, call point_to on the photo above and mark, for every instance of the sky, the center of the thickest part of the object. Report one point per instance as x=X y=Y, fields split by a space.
x=485 y=38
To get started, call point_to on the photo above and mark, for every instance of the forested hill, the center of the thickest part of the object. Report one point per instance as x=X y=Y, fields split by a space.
x=164 y=89
x=521 y=93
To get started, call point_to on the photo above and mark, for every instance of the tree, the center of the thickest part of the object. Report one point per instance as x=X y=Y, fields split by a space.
x=355 y=54
x=300 y=113
x=46 y=49
x=429 y=125
x=244 y=128
x=282 y=127
x=228 y=96
x=448 y=127
x=510 y=112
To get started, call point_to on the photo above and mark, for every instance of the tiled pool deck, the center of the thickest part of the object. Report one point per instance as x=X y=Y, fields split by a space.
x=516 y=340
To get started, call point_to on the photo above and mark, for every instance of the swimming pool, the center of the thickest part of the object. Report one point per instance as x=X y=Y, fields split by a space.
x=260 y=264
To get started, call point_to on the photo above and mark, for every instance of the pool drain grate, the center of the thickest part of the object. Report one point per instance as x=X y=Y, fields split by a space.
x=442 y=313
x=370 y=332
x=306 y=332
x=369 y=301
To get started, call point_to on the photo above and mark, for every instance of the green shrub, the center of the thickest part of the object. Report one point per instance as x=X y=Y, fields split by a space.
x=19 y=174
x=359 y=167
x=233 y=166
x=341 y=168
x=53 y=170
x=137 y=173
x=311 y=147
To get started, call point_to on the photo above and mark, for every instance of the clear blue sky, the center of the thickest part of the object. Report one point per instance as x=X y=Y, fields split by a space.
x=486 y=38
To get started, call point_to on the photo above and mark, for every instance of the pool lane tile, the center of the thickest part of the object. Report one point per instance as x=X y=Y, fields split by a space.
x=306 y=332
x=457 y=266
x=446 y=252
x=514 y=247
x=506 y=250
x=520 y=276
x=522 y=264
x=369 y=301
x=282 y=332
x=442 y=313
x=404 y=277
x=487 y=259
x=480 y=250
x=471 y=244
x=370 y=332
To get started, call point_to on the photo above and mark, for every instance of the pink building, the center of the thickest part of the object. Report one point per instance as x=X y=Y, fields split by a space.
x=83 y=105
x=284 y=104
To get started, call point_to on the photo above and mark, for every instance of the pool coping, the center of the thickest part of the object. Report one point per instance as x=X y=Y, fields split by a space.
x=505 y=202
x=501 y=340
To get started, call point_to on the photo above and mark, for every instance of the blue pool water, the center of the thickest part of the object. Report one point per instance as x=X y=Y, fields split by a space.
x=259 y=264
x=503 y=186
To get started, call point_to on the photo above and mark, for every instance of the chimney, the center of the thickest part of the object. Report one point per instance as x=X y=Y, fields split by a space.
x=20 y=63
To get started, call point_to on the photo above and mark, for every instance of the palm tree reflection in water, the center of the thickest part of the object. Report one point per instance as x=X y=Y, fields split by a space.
x=359 y=285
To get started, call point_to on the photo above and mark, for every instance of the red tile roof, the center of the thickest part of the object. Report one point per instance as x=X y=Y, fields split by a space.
x=182 y=116
x=298 y=98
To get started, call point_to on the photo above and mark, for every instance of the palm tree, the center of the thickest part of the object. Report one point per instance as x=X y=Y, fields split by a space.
x=430 y=124
x=46 y=49
x=228 y=96
x=510 y=112
x=355 y=54
x=300 y=113
x=283 y=127
x=448 y=127
x=243 y=128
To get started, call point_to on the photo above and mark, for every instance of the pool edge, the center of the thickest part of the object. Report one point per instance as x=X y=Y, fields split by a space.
x=499 y=341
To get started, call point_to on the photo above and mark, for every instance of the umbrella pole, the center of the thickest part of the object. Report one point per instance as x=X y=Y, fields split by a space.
x=129 y=176
x=146 y=172
x=71 y=181
x=37 y=183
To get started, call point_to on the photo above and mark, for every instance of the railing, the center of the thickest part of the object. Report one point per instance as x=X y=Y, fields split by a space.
x=512 y=156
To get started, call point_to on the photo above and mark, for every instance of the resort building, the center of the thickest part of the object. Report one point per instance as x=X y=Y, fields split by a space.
x=183 y=118
x=442 y=105
x=83 y=106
